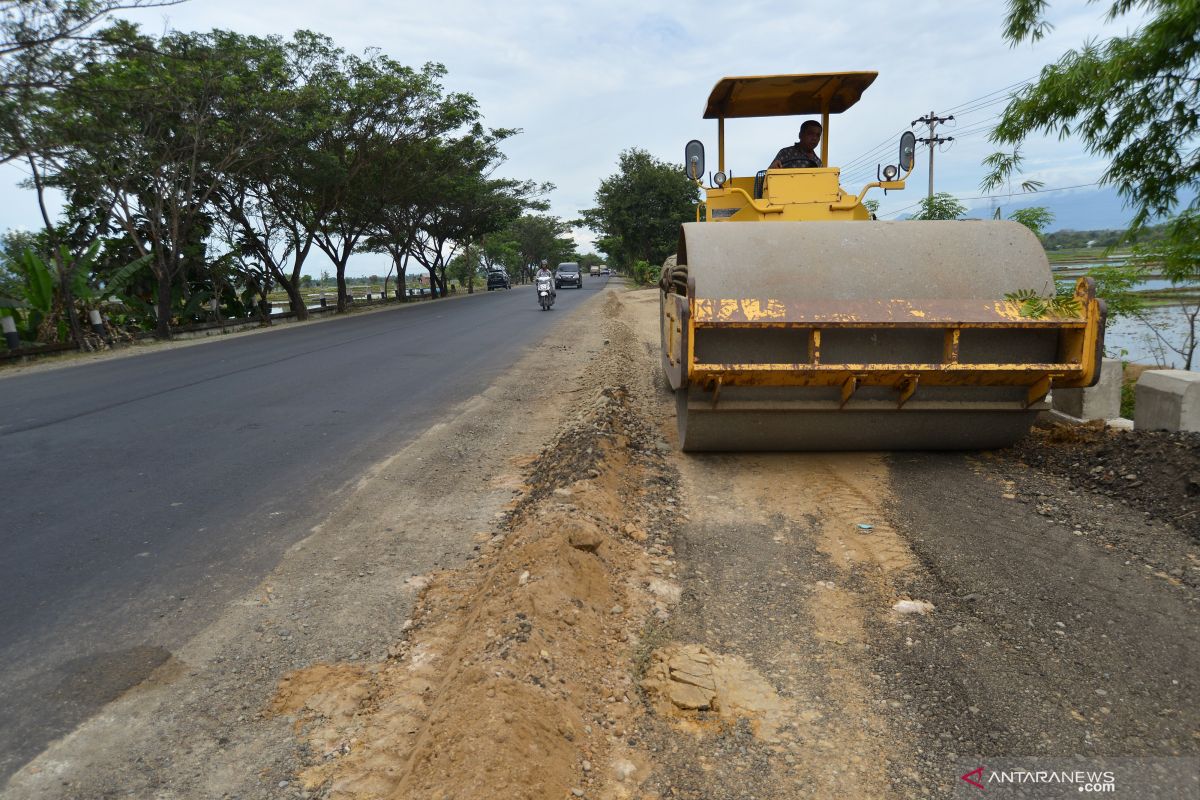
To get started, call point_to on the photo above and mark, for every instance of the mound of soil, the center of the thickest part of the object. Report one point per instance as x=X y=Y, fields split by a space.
x=1155 y=472
x=514 y=677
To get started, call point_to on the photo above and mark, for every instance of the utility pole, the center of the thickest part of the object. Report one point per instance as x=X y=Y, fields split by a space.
x=933 y=120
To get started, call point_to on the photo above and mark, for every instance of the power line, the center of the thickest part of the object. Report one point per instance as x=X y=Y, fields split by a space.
x=1008 y=195
x=871 y=154
x=962 y=109
x=981 y=106
x=989 y=94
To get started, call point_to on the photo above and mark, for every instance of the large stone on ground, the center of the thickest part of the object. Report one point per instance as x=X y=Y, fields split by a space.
x=1168 y=400
x=1102 y=401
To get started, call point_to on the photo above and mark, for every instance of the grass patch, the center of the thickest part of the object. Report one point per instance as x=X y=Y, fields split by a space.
x=1128 y=398
x=1129 y=379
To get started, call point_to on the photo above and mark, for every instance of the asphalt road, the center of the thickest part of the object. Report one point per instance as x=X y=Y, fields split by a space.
x=142 y=494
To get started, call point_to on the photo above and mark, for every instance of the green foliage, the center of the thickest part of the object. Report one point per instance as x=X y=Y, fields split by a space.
x=539 y=239
x=1036 y=218
x=43 y=42
x=39 y=282
x=13 y=244
x=639 y=209
x=1177 y=255
x=1132 y=100
x=220 y=160
x=1074 y=240
x=116 y=282
x=1062 y=303
x=871 y=205
x=465 y=267
x=644 y=273
x=1128 y=394
x=1003 y=166
x=941 y=206
x=1114 y=284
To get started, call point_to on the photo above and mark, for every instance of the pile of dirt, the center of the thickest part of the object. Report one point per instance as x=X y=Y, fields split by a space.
x=1151 y=471
x=515 y=675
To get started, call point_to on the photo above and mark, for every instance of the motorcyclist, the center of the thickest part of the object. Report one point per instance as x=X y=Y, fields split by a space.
x=544 y=272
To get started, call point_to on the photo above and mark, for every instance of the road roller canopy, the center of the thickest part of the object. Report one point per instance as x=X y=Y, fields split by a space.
x=786 y=95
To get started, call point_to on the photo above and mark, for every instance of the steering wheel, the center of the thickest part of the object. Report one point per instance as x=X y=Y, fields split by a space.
x=799 y=162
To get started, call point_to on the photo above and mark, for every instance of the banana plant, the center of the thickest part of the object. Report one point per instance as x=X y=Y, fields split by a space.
x=39 y=293
x=43 y=286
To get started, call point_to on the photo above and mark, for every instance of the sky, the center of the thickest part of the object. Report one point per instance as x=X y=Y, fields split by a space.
x=585 y=80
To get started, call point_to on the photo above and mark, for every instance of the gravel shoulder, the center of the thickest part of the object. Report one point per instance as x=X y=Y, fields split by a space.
x=543 y=598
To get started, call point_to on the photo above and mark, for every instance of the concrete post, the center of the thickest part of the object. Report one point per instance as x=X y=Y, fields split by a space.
x=1168 y=400
x=1102 y=401
x=96 y=321
x=9 y=326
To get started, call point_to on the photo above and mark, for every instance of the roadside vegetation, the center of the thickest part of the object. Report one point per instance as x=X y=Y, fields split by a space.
x=638 y=212
x=203 y=174
x=1132 y=101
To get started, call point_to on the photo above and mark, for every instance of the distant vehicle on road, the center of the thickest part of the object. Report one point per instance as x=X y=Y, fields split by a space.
x=498 y=280
x=568 y=274
x=595 y=270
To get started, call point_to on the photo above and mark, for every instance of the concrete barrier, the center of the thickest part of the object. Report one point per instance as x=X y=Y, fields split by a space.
x=1168 y=400
x=1102 y=401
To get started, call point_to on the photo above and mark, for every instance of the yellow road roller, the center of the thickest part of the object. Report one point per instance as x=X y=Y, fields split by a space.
x=792 y=320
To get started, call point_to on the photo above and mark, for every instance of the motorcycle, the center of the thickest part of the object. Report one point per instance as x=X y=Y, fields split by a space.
x=545 y=291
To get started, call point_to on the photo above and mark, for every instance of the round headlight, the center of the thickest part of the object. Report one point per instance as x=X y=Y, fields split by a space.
x=890 y=172
x=720 y=178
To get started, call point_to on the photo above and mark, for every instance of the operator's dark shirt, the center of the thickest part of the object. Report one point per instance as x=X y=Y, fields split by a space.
x=796 y=157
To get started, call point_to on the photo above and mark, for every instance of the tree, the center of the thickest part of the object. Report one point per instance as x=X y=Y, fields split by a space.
x=276 y=204
x=1036 y=218
x=379 y=106
x=941 y=206
x=540 y=239
x=587 y=260
x=500 y=251
x=1177 y=258
x=640 y=208
x=42 y=44
x=465 y=267
x=12 y=244
x=1132 y=100
x=464 y=203
x=153 y=134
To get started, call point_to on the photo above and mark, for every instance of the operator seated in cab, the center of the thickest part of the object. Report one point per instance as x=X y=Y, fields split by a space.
x=802 y=154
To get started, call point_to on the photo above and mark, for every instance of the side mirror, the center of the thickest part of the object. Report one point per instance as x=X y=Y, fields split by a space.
x=693 y=159
x=908 y=150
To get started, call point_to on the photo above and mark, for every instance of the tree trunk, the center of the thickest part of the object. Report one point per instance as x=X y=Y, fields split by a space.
x=162 y=326
x=470 y=270
x=73 y=325
x=387 y=278
x=341 y=287
x=294 y=298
